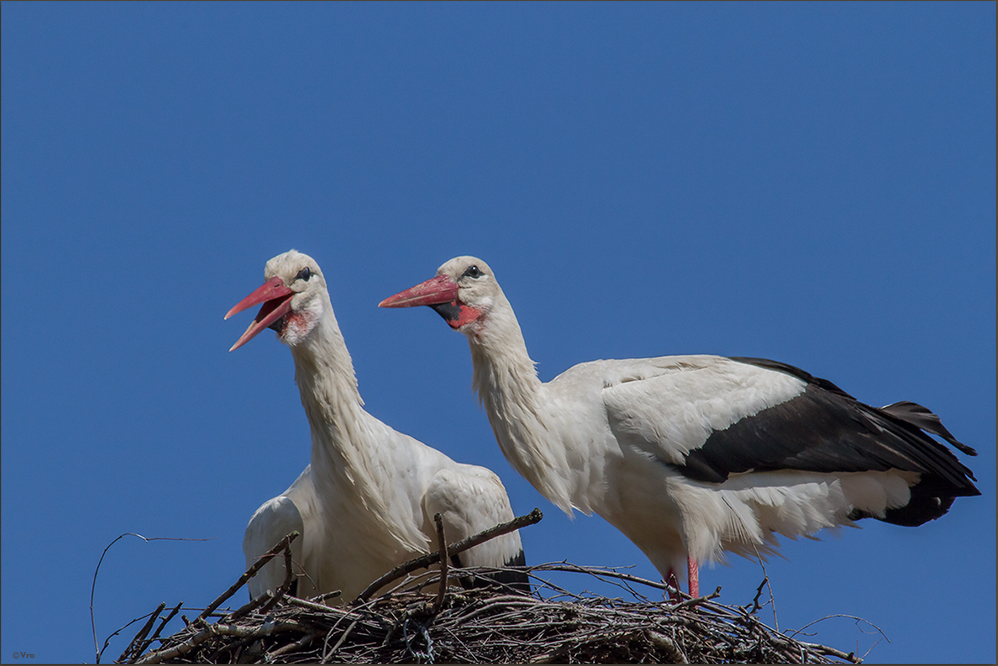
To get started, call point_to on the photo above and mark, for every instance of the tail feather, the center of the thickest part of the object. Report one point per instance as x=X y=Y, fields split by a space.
x=512 y=578
x=921 y=417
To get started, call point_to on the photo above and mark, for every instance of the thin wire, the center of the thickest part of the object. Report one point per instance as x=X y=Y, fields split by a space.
x=93 y=625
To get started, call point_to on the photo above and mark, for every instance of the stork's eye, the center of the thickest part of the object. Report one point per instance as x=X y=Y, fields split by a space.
x=304 y=274
x=472 y=272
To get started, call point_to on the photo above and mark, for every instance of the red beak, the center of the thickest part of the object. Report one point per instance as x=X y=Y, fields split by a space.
x=434 y=291
x=276 y=299
x=440 y=293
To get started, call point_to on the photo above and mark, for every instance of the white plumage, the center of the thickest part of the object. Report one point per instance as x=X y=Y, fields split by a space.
x=366 y=502
x=691 y=456
x=293 y=510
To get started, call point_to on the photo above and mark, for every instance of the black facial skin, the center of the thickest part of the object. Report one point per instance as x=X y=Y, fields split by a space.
x=278 y=325
x=449 y=311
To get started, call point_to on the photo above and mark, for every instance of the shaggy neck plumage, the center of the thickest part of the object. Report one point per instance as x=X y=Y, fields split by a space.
x=326 y=379
x=343 y=443
x=511 y=393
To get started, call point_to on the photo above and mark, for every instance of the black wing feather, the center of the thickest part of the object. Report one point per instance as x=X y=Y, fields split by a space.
x=824 y=429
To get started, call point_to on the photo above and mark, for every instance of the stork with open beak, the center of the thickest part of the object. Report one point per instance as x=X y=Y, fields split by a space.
x=366 y=502
x=692 y=456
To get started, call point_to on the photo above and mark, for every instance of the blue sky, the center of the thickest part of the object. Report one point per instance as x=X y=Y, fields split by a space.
x=812 y=183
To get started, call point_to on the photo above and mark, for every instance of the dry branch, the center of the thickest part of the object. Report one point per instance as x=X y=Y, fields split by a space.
x=283 y=544
x=140 y=637
x=442 y=545
x=454 y=548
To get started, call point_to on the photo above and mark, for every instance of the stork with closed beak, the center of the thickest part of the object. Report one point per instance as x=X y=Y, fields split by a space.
x=366 y=502
x=691 y=456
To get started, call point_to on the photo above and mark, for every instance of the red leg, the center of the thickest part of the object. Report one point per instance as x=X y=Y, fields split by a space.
x=694 y=577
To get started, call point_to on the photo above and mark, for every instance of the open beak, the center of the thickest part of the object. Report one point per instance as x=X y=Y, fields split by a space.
x=276 y=299
x=434 y=291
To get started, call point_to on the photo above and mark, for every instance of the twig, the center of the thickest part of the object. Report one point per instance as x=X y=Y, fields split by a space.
x=327 y=595
x=289 y=577
x=772 y=599
x=116 y=632
x=668 y=646
x=455 y=548
x=442 y=544
x=304 y=603
x=178 y=650
x=139 y=637
x=696 y=601
x=356 y=610
x=601 y=572
x=828 y=617
x=249 y=607
x=658 y=640
x=266 y=557
x=824 y=649
x=758 y=592
x=212 y=630
x=159 y=629
x=343 y=638
x=291 y=647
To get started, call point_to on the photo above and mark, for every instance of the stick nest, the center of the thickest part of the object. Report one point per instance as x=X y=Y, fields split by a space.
x=422 y=619
x=488 y=625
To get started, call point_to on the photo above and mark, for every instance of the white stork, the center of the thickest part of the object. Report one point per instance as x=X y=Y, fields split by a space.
x=366 y=502
x=690 y=456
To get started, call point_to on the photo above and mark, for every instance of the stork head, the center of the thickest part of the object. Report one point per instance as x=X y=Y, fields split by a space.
x=463 y=293
x=292 y=299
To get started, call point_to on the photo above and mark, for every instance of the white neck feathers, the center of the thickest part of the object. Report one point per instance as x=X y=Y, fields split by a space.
x=507 y=385
x=325 y=375
x=348 y=444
